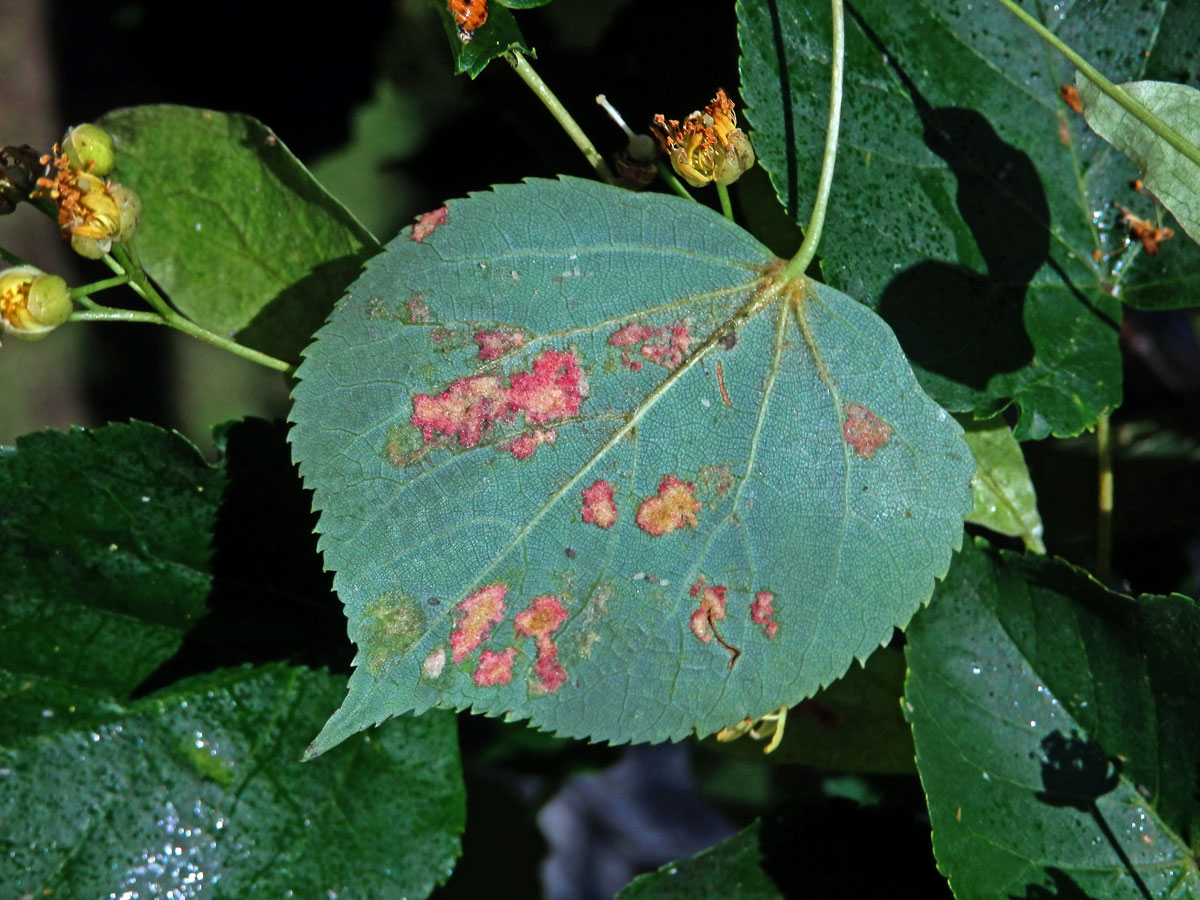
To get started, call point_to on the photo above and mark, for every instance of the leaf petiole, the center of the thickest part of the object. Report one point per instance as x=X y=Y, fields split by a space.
x=559 y=112
x=12 y=258
x=812 y=234
x=726 y=206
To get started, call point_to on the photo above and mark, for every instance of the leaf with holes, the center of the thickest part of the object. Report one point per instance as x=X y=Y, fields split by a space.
x=583 y=456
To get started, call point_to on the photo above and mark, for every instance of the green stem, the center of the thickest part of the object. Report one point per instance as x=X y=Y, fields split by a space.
x=107 y=314
x=665 y=173
x=812 y=234
x=726 y=206
x=84 y=290
x=1104 y=523
x=1114 y=92
x=124 y=258
x=564 y=118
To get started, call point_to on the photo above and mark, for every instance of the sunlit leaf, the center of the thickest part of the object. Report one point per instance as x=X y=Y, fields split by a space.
x=1005 y=500
x=1056 y=732
x=582 y=456
x=1169 y=175
x=233 y=226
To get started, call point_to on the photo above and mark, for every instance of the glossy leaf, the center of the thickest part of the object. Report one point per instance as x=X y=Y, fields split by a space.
x=106 y=547
x=1005 y=500
x=233 y=226
x=969 y=202
x=1056 y=732
x=474 y=49
x=199 y=788
x=1170 y=176
x=559 y=428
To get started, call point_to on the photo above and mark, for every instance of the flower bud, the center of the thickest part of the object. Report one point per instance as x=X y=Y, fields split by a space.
x=92 y=248
x=32 y=303
x=89 y=148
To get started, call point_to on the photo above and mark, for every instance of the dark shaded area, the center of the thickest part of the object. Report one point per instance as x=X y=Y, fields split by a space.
x=286 y=325
x=270 y=600
x=815 y=848
x=1064 y=888
x=952 y=321
x=1076 y=773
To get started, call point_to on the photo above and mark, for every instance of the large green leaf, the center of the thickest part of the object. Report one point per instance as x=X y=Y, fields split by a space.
x=1056 y=732
x=200 y=788
x=233 y=226
x=968 y=200
x=106 y=545
x=1169 y=175
x=561 y=428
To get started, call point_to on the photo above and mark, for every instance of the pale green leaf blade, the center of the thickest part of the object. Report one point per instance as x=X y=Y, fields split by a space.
x=570 y=400
x=1005 y=500
x=1056 y=732
x=236 y=230
x=199 y=789
x=1168 y=174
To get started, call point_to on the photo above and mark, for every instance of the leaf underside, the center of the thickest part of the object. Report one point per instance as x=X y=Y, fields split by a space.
x=581 y=458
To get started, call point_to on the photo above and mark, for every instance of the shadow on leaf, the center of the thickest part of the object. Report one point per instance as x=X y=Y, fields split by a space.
x=1064 y=888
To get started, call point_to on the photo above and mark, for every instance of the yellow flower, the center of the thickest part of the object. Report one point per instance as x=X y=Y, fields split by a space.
x=708 y=146
x=93 y=211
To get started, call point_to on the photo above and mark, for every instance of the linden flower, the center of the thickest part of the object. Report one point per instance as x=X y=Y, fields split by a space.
x=95 y=212
x=708 y=146
x=32 y=303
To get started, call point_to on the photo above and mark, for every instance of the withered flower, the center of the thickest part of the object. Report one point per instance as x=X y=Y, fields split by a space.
x=708 y=146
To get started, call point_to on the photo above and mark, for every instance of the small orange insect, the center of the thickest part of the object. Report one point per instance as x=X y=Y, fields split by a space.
x=470 y=15
x=1070 y=95
x=1144 y=231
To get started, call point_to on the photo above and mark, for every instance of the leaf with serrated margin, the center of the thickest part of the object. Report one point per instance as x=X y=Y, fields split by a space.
x=1005 y=500
x=582 y=456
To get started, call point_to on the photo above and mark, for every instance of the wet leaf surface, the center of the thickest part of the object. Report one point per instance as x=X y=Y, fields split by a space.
x=1056 y=731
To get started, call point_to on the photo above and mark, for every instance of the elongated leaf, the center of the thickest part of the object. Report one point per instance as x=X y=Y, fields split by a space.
x=1056 y=732
x=1168 y=174
x=198 y=789
x=233 y=226
x=1005 y=500
x=969 y=203
x=581 y=457
x=106 y=546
